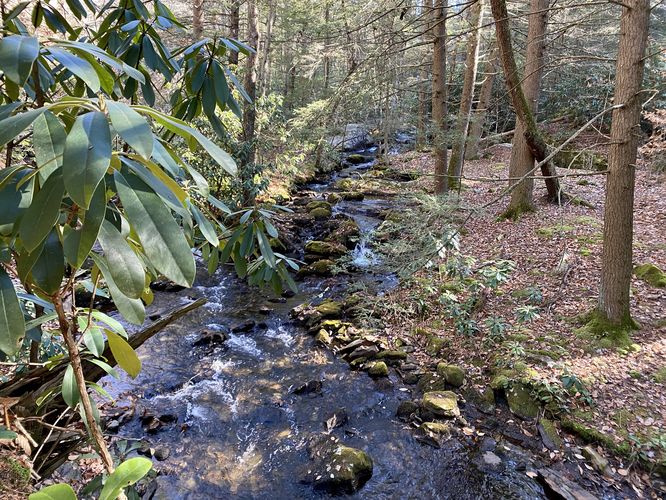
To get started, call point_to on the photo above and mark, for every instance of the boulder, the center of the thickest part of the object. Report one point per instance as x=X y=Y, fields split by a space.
x=406 y=409
x=357 y=159
x=329 y=309
x=521 y=403
x=436 y=428
x=318 y=268
x=454 y=375
x=346 y=234
x=337 y=469
x=333 y=198
x=431 y=382
x=320 y=213
x=318 y=204
x=651 y=274
x=378 y=369
x=441 y=403
x=352 y=196
x=325 y=248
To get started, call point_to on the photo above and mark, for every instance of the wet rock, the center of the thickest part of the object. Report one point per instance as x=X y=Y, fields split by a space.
x=323 y=337
x=548 y=432
x=558 y=486
x=345 y=185
x=353 y=345
x=319 y=268
x=521 y=402
x=246 y=326
x=339 y=418
x=333 y=198
x=599 y=462
x=352 y=195
x=161 y=453
x=211 y=337
x=287 y=294
x=431 y=382
x=310 y=387
x=488 y=444
x=329 y=309
x=325 y=248
x=318 y=204
x=454 y=375
x=436 y=428
x=152 y=423
x=489 y=458
x=378 y=369
x=406 y=409
x=306 y=314
x=441 y=403
x=357 y=159
x=364 y=351
x=320 y=213
x=347 y=234
x=337 y=468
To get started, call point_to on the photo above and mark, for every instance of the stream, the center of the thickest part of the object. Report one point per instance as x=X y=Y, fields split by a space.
x=235 y=427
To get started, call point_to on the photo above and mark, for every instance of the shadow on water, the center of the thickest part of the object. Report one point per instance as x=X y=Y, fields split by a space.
x=241 y=432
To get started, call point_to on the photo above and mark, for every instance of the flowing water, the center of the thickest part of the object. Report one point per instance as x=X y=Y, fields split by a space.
x=241 y=432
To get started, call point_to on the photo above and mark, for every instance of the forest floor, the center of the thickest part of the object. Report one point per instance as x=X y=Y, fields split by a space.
x=619 y=391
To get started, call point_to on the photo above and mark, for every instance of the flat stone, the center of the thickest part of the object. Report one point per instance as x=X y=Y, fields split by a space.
x=490 y=458
x=437 y=428
x=441 y=403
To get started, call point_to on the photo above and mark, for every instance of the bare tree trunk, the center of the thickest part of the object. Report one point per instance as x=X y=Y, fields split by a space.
x=197 y=19
x=264 y=68
x=522 y=158
x=250 y=111
x=234 y=28
x=327 y=59
x=616 y=262
x=465 y=109
x=478 y=120
x=424 y=98
x=439 y=95
x=532 y=135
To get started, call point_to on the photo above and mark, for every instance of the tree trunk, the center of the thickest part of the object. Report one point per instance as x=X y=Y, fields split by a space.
x=327 y=59
x=250 y=111
x=439 y=95
x=478 y=120
x=264 y=67
x=532 y=135
x=616 y=262
x=465 y=109
x=234 y=28
x=197 y=19
x=422 y=128
x=522 y=159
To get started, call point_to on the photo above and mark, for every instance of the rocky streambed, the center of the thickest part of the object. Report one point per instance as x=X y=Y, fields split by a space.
x=258 y=396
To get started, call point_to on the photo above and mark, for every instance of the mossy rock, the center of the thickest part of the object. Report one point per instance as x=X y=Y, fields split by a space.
x=392 y=355
x=320 y=213
x=318 y=204
x=333 y=198
x=329 y=309
x=325 y=248
x=454 y=375
x=551 y=231
x=352 y=195
x=345 y=185
x=321 y=267
x=347 y=234
x=436 y=428
x=549 y=435
x=357 y=159
x=343 y=470
x=660 y=375
x=584 y=160
x=591 y=435
x=323 y=337
x=651 y=274
x=431 y=382
x=441 y=403
x=378 y=369
x=435 y=344
x=521 y=402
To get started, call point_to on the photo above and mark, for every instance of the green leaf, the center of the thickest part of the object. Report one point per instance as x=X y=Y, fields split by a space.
x=124 y=354
x=94 y=340
x=87 y=156
x=161 y=237
x=205 y=226
x=130 y=309
x=54 y=492
x=77 y=243
x=43 y=212
x=14 y=201
x=12 y=321
x=127 y=473
x=6 y=433
x=49 y=143
x=70 y=392
x=132 y=127
x=265 y=248
x=49 y=269
x=124 y=265
x=17 y=55
x=78 y=66
x=114 y=324
x=104 y=366
x=11 y=127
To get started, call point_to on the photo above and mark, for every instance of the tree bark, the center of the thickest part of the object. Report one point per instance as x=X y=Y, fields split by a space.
x=234 y=28
x=197 y=19
x=478 y=120
x=439 y=95
x=532 y=135
x=250 y=111
x=522 y=158
x=616 y=262
x=264 y=67
x=465 y=109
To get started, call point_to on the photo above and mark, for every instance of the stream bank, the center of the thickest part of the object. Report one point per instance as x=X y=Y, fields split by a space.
x=240 y=400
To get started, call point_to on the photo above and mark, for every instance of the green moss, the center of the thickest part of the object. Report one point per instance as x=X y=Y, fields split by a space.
x=651 y=274
x=521 y=402
x=514 y=212
x=600 y=332
x=557 y=229
x=325 y=248
x=329 y=309
x=454 y=375
x=591 y=435
x=660 y=375
x=622 y=418
x=378 y=369
x=441 y=403
x=435 y=345
x=550 y=430
x=320 y=213
x=318 y=204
